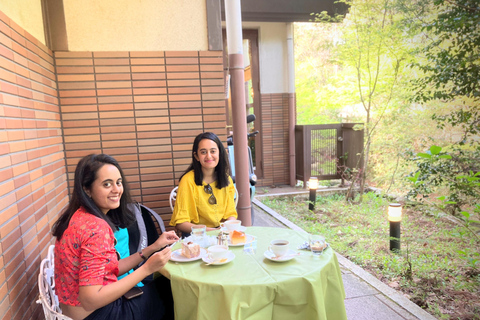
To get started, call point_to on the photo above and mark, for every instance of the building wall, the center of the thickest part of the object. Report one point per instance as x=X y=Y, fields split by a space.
x=125 y=25
x=272 y=47
x=33 y=187
x=27 y=14
x=143 y=108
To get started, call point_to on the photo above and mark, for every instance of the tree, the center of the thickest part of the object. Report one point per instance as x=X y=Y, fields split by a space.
x=451 y=64
x=373 y=47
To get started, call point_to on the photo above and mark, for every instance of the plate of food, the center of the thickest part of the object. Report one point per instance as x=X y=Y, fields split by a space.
x=239 y=238
x=190 y=251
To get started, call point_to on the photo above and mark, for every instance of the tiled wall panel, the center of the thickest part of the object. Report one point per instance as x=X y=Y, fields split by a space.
x=33 y=185
x=275 y=139
x=143 y=108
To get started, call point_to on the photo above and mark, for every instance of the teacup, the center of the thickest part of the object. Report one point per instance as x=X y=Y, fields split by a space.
x=231 y=225
x=217 y=252
x=279 y=247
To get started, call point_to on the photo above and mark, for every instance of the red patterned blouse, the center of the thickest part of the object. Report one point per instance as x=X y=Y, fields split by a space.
x=84 y=256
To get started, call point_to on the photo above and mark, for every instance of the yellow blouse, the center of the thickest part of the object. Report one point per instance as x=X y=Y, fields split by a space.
x=192 y=203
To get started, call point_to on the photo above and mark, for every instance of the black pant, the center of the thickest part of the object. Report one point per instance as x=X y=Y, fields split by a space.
x=156 y=302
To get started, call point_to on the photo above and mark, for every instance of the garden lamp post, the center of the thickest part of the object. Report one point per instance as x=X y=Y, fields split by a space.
x=395 y=217
x=312 y=185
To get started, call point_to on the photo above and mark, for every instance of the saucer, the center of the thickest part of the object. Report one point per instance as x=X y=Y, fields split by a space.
x=249 y=238
x=177 y=256
x=287 y=257
x=230 y=257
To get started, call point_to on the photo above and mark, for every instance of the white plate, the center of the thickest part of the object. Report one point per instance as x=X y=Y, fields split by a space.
x=287 y=257
x=230 y=257
x=249 y=239
x=178 y=257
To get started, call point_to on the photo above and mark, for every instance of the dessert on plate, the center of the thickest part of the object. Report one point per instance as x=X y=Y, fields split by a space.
x=237 y=237
x=190 y=249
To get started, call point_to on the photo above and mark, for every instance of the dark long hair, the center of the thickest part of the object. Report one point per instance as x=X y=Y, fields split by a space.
x=85 y=175
x=221 y=170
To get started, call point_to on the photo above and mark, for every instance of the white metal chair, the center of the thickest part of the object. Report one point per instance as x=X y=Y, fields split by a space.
x=173 y=197
x=46 y=286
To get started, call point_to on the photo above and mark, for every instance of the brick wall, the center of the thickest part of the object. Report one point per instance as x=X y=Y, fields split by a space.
x=274 y=108
x=143 y=108
x=33 y=185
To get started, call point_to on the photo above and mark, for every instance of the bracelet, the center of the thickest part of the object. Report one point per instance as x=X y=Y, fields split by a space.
x=141 y=255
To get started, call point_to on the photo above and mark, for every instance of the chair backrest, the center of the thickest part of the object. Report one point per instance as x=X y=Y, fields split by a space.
x=46 y=287
x=144 y=232
x=236 y=196
x=173 y=197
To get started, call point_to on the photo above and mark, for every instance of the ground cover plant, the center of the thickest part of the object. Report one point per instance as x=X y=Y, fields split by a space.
x=430 y=270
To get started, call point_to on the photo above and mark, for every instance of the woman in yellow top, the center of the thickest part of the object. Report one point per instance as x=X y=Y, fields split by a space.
x=205 y=193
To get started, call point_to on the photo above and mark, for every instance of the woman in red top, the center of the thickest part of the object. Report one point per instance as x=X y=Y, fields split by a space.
x=86 y=263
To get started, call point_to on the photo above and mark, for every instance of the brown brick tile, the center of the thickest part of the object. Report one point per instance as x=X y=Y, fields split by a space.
x=185 y=104
x=115 y=107
x=146 y=127
x=146 y=54
x=183 y=90
x=76 y=93
x=149 y=91
x=211 y=60
x=185 y=97
x=114 y=92
x=82 y=146
x=67 y=70
x=75 y=77
x=117 y=99
x=147 y=61
x=183 y=68
x=112 y=69
x=118 y=144
x=112 y=62
x=151 y=120
x=148 y=84
x=149 y=76
x=182 y=75
x=151 y=68
x=116 y=114
x=151 y=105
x=114 y=84
x=183 y=83
x=76 y=85
x=151 y=98
x=79 y=108
x=150 y=113
x=117 y=122
x=112 y=76
x=73 y=54
x=211 y=67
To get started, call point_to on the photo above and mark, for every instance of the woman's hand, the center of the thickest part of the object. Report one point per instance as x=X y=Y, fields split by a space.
x=165 y=239
x=158 y=260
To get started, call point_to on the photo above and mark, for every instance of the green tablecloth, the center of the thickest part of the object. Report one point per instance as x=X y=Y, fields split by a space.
x=253 y=287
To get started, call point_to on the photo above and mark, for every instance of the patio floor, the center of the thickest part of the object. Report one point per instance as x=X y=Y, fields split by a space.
x=367 y=298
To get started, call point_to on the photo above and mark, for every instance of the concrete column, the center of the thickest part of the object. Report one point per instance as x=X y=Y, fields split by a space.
x=233 y=19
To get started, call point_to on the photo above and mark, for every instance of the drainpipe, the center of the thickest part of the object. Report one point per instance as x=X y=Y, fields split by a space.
x=233 y=20
x=291 y=103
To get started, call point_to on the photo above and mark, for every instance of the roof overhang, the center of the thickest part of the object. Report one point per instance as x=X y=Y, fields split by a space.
x=286 y=10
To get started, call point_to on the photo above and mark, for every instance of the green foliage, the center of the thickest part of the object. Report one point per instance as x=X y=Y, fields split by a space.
x=451 y=63
x=437 y=169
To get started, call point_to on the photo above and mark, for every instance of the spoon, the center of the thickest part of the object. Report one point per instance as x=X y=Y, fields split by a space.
x=217 y=261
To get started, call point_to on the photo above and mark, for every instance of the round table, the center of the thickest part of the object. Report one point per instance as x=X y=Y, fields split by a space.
x=254 y=287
